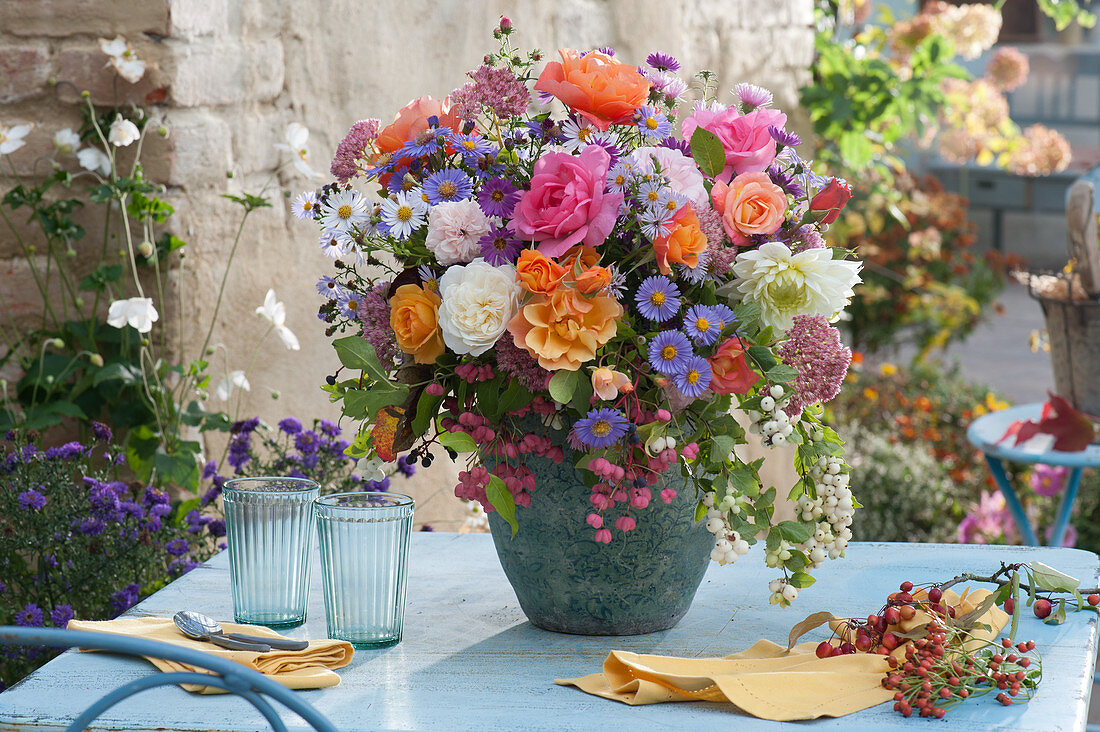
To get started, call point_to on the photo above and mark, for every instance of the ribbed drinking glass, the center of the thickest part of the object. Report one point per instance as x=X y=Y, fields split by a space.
x=270 y=530
x=365 y=565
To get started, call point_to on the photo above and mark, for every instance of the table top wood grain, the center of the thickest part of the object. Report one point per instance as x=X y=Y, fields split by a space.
x=471 y=661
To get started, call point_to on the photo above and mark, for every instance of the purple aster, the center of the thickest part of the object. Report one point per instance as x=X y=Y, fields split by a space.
x=699 y=324
x=377 y=485
x=722 y=316
x=606 y=51
x=810 y=238
x=470 y=146
x=662 y=61
x=29 y=617
x=658 y=298
x=407 y=468
x=783 y=137
x=29 y=451
x=160 y=510
x=448 y=185
x=499 y=247
x=245 y=425
x=129 y=508
x=68 y=451
x=91 y=526
x=601 y=428
x=673 y=144
x=329 y=428
x=753 y=96
x=216 y=528
x=328 y=287
x=486 y=166
x=669 y=351
x=290 y=425
x=126 y=597
x=196 y=522
x=786 y=181
x=61 y=615
x=209 y=470
x=177 y=547
x=425 y=143
x=307 y=442
x=32 y=499
x=101 y=432
x=653 y=124
x=694 y=379
x=211 y=495
x=498 y=197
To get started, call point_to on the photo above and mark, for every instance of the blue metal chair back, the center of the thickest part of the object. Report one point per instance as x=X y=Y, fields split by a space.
x=229 y=675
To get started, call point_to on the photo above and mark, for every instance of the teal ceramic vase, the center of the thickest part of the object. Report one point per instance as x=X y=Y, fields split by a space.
x=642 y=582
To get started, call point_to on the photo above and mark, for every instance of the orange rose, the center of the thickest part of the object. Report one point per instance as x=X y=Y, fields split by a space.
x=564 y=329
x=750 y=204
x=538 y=273
x=683 y=243
x=731 y=373
x=588 y=257
x=592 y=280
x=412 y=119
x=413 y=319
x=597 y=87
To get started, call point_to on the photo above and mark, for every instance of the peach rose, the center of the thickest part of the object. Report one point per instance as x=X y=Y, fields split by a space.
x=683 y=243
x=413 y=317
x=750 y=204
x=731 y=373
x=412 y=119
x=537 y=273
x=595 y=86
x=607 y=383
x=587 y=256
x=564 y=329
x=593 y=279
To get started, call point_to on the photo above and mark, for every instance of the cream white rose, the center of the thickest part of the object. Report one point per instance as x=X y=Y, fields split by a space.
x=454 y=230
x=478 y=301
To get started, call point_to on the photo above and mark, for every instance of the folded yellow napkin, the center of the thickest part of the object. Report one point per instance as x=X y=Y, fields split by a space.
x=768 y=680
x=310 y=668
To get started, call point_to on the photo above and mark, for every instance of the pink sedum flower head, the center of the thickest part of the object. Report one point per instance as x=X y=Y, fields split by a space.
x=567 y=204
x=814 y=349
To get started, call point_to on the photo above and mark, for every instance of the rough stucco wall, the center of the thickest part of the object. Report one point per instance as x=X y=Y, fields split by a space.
x=233 y=74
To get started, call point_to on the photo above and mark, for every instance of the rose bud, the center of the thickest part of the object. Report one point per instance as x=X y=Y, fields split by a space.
x=831 y=199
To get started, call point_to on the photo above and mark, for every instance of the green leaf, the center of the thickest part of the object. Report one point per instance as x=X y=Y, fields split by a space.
x=97 y=279
x=794 y=532
x=358 y=354
x=781 y=374
x=426 y=408
x=763 y=356
x=502 y=500
x=707 y=151
x=1048 y=578
x=513 y=398
x=775 y=538
x=123 y=371
x=797 y=562
x=801 y=580
x=720 y=448
x=181 y=469
x=179 y=514
x=360 y=446
x=700 y=511
x=582 y=397
x=1059 y=615
x=365 y=403
x=458 y=441
x=562 y=385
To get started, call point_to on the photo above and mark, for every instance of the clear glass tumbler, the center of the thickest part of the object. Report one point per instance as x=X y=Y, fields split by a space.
x=269 y=528
x=365 y=565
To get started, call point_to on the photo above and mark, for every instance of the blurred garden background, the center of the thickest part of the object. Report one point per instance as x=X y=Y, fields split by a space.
x=159 y=326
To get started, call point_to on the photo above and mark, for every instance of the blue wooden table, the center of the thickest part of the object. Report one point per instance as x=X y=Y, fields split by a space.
x=470 y=660
x=985 y=433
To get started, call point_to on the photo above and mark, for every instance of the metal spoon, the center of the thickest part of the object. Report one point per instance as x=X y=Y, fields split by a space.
x=202 y=627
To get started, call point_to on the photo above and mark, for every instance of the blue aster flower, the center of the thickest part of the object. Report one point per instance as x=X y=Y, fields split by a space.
x=469 y=146
x=700 y=325
x=669 y=352
x=722 y=316
x=426 y=143
x=448 y=185
x=652 y=123
x=694 y=378
x=658 y=298
x=601 y=428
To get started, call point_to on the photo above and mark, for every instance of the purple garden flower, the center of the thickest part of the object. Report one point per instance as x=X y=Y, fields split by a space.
x=494 y=88
x=448 y=185
x=701 y=326
x=329 y=428
x=662 y=61
x=125 y=598
x=101 y=432
x=813 y=347
x=216 y=528
x=61 y=615
x=353 y=148
x=694 y=378
x=653 y=124
x=601 y=428
x=29 y=617
x=68 y=451
x=177 y=547
x=290 y=425
x=668 y=352
x=752 y=96
x=405 y=466
x=783 y=137
x=1048 y=480
x=658 y=298
x=498 y=197
x=91 y=526
x=499 y=247
x=32 y=500
x=307 y=442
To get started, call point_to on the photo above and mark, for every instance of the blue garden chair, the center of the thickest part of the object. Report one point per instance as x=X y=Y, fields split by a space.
x=229 y=675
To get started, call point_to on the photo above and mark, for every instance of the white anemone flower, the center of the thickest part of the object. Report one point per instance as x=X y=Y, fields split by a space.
x=137 y=312
x=95 y=160
x=123 y=132
x=296 y=137
x=11 y=138
x=274 y=312
x=66 y=141
x=225 y=387
x=786 y=284
x=123 y=58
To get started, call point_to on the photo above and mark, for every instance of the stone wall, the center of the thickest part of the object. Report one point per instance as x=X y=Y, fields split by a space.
x=228 y=76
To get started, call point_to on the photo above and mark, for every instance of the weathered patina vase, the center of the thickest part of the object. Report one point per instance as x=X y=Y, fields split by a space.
x=642 y=582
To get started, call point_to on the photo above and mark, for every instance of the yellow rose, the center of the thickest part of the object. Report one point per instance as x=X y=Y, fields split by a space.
x=413 y=317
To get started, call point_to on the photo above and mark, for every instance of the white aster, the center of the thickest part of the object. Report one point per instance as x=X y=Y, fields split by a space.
x=95 y=160
x=224 y=390
x=297 y=135
x=137 y=312
x=11 y=138
x=305 y=205
x=123 y=58
x=478 y=300
x=785 y=284
x=123 y=132
x=404 y=213
x=66 y=141
x=274 y=312
x=681 y=171
x=343 y=210
x=579 y=135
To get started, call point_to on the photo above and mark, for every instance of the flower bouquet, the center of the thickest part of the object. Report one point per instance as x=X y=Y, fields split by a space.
x=527 y=287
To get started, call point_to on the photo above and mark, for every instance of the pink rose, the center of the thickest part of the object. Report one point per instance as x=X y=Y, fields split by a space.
x=748 y=143
x=751 y=205
x=567 y=203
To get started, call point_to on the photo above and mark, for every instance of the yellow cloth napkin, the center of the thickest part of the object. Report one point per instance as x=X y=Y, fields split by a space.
x=768 y=680
x=311 y=668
